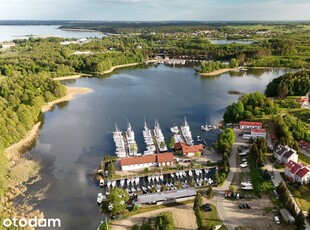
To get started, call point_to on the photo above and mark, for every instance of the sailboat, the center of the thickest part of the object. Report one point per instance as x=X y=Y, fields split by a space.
x=205 y=127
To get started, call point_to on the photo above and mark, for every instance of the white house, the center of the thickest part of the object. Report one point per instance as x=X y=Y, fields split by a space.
x=255 y=133
x=291 y=168
x=303 y=175
x=146 y=161
x=250 y=125
x=284 y=154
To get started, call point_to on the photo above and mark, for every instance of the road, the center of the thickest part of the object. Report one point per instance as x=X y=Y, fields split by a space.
x=219 y=192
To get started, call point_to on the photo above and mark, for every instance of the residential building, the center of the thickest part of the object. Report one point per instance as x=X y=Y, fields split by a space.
x=291 y=168
x=303 y=175
x=255 y=133
x=304 y=145
x=284 y=154
x=188 y=151
x=146 y=161
x=6 y=45
x=297 y=172
x=250 y=125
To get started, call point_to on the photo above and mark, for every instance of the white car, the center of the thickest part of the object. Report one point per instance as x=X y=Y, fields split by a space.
x=277 y=220
x=243 y=154
x=244 y=165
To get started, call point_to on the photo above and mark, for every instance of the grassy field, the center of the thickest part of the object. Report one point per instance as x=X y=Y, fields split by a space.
x=302 y=114
x=304 y=158
x=304 y=201
x=211 y=218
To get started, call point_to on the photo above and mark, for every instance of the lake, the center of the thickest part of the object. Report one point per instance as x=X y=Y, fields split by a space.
x=227 y=42
x=76 y=135
x=8 y=33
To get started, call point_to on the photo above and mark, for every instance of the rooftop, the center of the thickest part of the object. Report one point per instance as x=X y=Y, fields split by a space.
x=161 y=157
x=304 y=143
x=192 y=149
x=251 y=123
x=258 y=130
x=302 y=172
x=164 y=196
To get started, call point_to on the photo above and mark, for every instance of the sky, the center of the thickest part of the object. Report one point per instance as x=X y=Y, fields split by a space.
x=155 y=10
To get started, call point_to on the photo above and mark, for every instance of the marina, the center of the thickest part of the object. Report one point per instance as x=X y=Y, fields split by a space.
x=158 y=182
x=186 y=133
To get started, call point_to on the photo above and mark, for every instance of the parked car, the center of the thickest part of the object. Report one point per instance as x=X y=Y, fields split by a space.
x=240 y=206
x=276 y=220
x=248 y=206
x=244 y=206
x=206 y=207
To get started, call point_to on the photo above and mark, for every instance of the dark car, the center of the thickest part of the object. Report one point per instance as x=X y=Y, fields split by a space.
x=248 y=206
x=244 y=206
x=240 y=206
x=206 y=207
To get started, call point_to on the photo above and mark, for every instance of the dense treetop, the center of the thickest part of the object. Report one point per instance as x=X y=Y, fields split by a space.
x=290 y=84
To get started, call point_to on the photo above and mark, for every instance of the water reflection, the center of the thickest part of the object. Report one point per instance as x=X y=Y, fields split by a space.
x=75 y=137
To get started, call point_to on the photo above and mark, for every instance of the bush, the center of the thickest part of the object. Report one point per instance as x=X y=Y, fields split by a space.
x=302 y=189
x=297 y=194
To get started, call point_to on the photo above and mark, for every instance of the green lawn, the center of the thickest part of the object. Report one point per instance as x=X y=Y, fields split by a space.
x=304 y=158
x=304 y=201
x=211 y=218
x=254 y=173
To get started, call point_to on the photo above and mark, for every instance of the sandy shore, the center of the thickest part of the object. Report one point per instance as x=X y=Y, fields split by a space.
x=67 y=78
x=71 y=92
x=219 y=71
x=119 y=66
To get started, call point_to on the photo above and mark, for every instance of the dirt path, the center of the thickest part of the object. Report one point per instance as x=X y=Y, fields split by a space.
x=183 y=216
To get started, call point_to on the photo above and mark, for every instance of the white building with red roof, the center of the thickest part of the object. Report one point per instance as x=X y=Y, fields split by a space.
x=188 y=151
x=304 y=145
x=291 y=168
x=146 y=161
x=303 y=175
x=250 y=125
x=297 y=172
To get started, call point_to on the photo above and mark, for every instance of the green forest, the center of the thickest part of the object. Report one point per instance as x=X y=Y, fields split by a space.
x=291 y=84
x=21 y=100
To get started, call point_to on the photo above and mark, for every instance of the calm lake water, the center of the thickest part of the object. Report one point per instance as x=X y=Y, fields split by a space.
x=8 y=33
x=76 y=135
x=226 y=42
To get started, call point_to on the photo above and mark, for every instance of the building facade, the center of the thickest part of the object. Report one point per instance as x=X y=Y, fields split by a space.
x=250 y=125
x=284 y=154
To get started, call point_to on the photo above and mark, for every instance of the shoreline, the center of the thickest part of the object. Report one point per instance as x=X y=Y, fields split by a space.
x=30 y=167
x=71 y=92
x=219 y=71
x=118 y=67
x=71 y=77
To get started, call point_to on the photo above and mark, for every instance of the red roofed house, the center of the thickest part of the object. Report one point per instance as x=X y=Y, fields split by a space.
x=250 y=125
x=188 y=151
x=304 y=145
x=146 y=161
x=291 y=168
x=303 y=175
